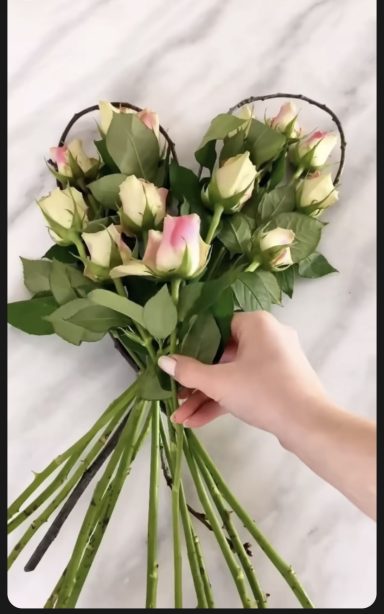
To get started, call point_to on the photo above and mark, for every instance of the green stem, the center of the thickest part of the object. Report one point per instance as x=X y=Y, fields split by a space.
x=59 y=460
x=252 y=267
x=195 y=557
x=46 y=513
x=233 y=566
x=217 y=213
x=177 y=449
x=298 y=172
x=216 y=263
x=80 y=247
x=98 y=515
x=285 y=570
x=152 y=564
x=233 y=535
x=52 y=599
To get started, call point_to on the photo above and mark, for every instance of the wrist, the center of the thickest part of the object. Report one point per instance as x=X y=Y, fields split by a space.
x=307 y=424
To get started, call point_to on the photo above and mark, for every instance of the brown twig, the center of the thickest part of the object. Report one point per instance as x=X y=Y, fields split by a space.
x=320 y=105
x=73 y=498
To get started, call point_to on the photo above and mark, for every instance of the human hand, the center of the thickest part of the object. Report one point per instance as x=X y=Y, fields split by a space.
x=264 y=378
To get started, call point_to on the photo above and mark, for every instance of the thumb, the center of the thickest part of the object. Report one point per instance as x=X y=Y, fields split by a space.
x=194 y=374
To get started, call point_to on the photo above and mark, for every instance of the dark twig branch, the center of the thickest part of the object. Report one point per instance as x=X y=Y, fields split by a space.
x=320 y=105
x=73 y=498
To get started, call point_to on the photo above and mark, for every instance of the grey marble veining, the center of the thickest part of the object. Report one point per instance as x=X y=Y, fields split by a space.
x=190 y=60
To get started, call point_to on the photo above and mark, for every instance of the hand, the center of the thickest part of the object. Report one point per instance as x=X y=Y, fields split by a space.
x=264 y=379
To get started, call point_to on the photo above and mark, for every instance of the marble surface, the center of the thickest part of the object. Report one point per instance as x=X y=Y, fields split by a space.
x=190 y=60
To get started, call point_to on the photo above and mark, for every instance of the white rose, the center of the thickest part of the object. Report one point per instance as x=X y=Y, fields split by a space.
x=316 y=190
x=278 y=237
x=286 y=120
x=143 y=204
x=65 y=212
x=235 y=177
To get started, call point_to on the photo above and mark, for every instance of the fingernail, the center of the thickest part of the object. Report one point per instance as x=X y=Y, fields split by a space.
x=167 y=364
x=181 y=401
x=186 y=423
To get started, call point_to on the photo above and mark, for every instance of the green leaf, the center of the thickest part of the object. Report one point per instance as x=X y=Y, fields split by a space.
x=106 y=298
x=278 y=171
x=150 y=386
x=133 y=146
x=185 y=186
x=106 y=189
x=36 y=275
x=101 y=147
x=314 y=266
x=202 y=339
x=277 y=201
x=160 y=314
x=219 y=128
x=200 y=295
x=67 y=282
x=263 y=143
x=101 y=223
x=62 y=253
x=307 y=232
x=28 y=316
x=233 y=146
x=286 y=280
x=258 y=290
x=74 y=319
x=222 y=310
x=60 y=284
x=98 y=319
x=235 y=234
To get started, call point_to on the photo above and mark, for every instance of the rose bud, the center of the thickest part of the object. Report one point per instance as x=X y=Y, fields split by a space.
x=316 y=192
x=232 y=184
x=177 y=252
x=61 y=156
x=143 y=205
x=66 y=214
x=286 y=120
x=313 y=151
x=106 y=251
x=149 y=118
x=274 y=246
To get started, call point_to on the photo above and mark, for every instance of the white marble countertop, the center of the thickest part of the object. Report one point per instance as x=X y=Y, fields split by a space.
x=189 y=60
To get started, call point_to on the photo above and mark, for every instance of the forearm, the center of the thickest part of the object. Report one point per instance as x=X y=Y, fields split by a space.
x=341 y=448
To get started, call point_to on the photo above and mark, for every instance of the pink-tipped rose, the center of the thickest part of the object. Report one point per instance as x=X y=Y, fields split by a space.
x=60 y=155
x=313 y=151
x=286 y=120
x=178 y=251
x=149 y=118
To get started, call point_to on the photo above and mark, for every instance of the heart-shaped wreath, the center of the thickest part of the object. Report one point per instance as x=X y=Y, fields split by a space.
x=160 y=258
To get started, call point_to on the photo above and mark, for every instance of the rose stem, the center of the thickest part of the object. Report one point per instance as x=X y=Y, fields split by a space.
x=285 y=570
x=233 y=566
x=99 y=511
x=73 y=498
x=52 y=599
x=44 y=516
x=54 y=595
x=195 y=557
x=152 y=564
x=43 y=475
x=176 y=455
x=233 y=534
x=217 y=213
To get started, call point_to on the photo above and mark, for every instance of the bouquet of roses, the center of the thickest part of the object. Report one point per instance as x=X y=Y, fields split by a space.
x=160 y=258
